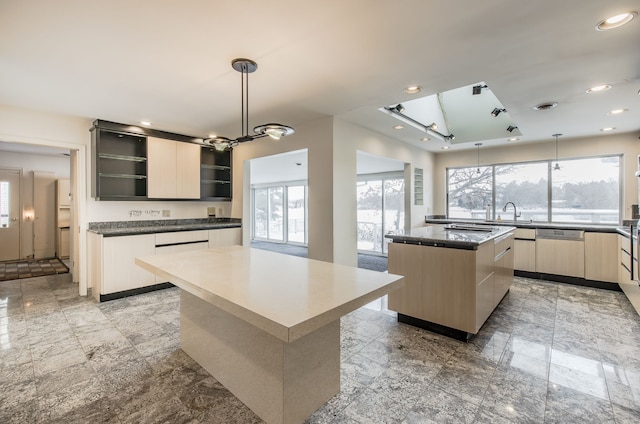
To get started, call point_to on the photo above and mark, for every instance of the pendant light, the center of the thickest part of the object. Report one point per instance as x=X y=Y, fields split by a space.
x=478 y=146
x=557 y=165
x=275 y=131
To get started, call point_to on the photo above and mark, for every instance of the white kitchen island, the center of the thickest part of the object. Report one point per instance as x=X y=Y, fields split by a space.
x=267 y=325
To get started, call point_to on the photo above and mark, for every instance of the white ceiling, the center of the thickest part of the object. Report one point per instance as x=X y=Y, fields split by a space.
x=169 y=62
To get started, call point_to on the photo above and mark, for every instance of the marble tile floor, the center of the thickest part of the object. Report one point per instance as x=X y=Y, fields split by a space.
x=550 y=353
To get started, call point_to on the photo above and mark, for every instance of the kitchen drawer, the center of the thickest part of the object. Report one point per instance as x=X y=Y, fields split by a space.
x=525 y=234
x=163 y=239
x=502 y=243
x=177 y=248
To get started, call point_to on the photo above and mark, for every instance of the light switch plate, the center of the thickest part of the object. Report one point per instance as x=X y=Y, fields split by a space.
x=166 y=213
x=211 y=211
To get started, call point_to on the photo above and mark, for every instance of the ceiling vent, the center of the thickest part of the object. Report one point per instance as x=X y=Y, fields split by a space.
x=545 y=106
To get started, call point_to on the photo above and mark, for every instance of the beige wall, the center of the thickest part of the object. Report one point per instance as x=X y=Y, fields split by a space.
x=626 y=144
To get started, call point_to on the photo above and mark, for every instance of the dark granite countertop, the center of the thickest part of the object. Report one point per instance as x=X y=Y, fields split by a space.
x=128 y=228
x=450 y=236
x=593 y=228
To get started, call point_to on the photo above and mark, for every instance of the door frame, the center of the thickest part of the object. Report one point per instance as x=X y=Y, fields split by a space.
x=79 y=188
x=20 y=206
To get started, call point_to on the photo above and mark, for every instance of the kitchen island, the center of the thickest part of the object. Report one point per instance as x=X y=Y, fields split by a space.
x=267 y=325
x=455 y=275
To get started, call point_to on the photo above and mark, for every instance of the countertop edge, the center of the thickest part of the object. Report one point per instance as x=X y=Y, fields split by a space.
x=456 y=244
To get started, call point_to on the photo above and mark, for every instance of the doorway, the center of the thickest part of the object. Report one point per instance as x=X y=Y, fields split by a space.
x=9 y=214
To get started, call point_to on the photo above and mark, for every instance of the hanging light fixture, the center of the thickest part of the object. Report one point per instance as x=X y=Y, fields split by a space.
x=478 y=146
x=557 y=165
x=275 y=131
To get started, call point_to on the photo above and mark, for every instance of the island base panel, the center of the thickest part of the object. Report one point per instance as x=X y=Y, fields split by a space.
x=436 y=328
x=281 y=382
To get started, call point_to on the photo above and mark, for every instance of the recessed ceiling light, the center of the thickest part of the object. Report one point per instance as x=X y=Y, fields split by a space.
x=608 y=129
x=545 y=106
x=446 y=147
x=145 y=123
x=513 y=139
x=212 y=135
x=414 y=89
x=599 y=88
x=398 y=127
x=617 y=111
x=425 y=139
x=615 y=21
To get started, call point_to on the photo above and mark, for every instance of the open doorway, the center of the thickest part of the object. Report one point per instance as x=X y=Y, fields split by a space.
x=43 y=223
x=279 y=200
x=380 y=201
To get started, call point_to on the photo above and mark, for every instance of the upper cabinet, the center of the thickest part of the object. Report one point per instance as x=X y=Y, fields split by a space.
x=134 y=163
x=172 y=169
x=215 y=174
x=120 y=164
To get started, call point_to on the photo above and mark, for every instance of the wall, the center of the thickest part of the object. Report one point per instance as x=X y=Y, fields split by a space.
x=625 y=144
x=28 y=163
x=331 y=146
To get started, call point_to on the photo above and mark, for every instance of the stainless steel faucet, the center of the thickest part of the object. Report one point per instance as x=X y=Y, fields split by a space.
x=516 y=215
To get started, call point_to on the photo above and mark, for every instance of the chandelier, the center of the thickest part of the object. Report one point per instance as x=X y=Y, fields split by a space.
x=275 y=131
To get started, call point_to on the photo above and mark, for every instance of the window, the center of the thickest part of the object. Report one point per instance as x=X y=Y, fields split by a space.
x=584 y=190
x=526 y=185
x=469 y=191
x=280 y=211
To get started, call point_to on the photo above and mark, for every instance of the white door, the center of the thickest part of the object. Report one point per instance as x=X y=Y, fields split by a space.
x=44 y=206
x=9 y=215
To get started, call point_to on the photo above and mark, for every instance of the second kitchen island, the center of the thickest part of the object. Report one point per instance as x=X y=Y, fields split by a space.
x=455 y=276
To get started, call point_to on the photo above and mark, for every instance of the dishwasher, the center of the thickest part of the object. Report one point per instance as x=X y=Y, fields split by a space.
x=560 y=252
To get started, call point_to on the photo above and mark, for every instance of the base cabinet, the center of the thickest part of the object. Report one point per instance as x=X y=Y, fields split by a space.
x=113 y=269
x=600 y=257
x=225 y=237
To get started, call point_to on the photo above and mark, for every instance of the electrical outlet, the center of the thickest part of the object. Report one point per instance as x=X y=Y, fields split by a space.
x=211 y=211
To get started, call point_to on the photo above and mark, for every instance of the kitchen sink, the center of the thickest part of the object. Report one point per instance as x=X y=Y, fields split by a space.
x=469 y=227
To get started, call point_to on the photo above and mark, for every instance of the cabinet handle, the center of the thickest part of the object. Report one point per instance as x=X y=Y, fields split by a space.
x=631 y=251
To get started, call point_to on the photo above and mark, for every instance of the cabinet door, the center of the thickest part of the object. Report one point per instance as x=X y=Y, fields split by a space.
x=225 y=237
x=560 y=257
x=119 y=269
x=524 y=255
x=161 y=168
x=600 y=257
x=188 y=170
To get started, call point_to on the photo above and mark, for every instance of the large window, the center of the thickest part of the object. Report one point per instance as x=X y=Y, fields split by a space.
x=273 y=221
x=581 y=190
x=380 y=209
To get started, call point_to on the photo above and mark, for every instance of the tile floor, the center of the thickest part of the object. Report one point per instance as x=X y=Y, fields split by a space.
x=550 y=353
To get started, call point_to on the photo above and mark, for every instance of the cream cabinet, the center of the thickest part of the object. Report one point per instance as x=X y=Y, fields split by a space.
x=113 y=267
x=601 y=257
x=524 y=254
x=225 y=237
x=173 y=169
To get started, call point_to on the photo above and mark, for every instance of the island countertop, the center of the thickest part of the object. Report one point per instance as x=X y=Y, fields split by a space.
x=283 y=295
x=457 y=236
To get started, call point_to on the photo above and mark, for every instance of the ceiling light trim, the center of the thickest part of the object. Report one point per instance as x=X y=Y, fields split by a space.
x=616 y=21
